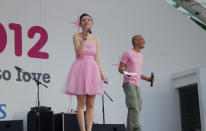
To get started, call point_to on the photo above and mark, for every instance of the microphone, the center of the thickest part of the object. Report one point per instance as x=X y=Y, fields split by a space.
x=152 y=76
x=89 y=30
x=17 y=68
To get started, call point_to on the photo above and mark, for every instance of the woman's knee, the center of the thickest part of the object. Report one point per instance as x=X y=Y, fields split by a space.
x=89 y=105
x=81 y=103
x=81 y=106
x=90 y=102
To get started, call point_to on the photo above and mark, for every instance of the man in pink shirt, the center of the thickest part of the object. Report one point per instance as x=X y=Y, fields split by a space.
x=131 y=66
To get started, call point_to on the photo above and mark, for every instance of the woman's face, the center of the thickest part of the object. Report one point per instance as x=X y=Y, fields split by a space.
x=86 y=22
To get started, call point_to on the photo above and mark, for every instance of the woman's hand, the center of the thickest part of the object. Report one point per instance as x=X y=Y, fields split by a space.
x=78 y=44
x=104 y=79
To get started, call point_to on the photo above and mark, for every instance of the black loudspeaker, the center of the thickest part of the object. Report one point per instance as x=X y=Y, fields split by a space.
x=65 y=122
x=14 y=125
x=46 y=120
x=108 y=127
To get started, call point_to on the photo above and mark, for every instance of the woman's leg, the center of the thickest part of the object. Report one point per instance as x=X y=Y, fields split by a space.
x=89 y=112
x=81 y=102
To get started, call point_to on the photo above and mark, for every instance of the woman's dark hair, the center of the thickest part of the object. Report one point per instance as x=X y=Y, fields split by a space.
x=80 y=18
x=84 y=14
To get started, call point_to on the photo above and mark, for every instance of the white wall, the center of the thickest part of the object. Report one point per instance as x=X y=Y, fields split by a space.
x=203 y=96
x=173 y=44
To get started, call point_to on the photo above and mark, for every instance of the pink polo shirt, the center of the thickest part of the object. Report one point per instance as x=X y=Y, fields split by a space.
x=133 y=61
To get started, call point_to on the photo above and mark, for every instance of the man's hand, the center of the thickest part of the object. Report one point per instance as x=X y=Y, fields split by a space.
x=121 y=67
x=148 y=79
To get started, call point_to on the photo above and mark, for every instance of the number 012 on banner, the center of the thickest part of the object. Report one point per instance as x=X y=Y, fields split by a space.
x=34 y=52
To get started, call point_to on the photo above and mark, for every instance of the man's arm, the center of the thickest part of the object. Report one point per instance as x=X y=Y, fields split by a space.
x=121 y=67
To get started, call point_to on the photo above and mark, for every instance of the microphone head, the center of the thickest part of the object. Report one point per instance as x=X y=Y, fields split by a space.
x=89 y=30
x=152 y=75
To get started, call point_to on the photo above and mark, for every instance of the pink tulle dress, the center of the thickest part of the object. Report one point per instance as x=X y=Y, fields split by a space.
x=84 y=76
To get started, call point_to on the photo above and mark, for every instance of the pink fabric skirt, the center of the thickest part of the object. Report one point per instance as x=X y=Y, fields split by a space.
x=84 y=77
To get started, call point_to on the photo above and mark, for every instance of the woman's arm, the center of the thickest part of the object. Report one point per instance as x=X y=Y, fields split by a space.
x=98 y=59
x=78 y=45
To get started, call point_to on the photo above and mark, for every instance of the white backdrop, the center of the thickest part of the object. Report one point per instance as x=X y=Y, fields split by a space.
x=173 y=44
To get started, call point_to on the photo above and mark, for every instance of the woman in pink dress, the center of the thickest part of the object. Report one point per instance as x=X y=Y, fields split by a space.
x=85 y=76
